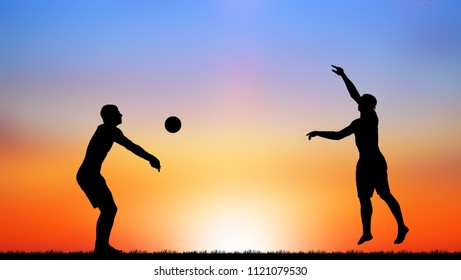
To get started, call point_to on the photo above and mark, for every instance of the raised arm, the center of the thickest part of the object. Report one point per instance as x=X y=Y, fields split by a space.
x=332 y=135
x=350 y=86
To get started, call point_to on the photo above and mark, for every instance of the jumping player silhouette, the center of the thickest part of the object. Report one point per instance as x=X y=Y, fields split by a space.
x=94 y=185
x=371 y=172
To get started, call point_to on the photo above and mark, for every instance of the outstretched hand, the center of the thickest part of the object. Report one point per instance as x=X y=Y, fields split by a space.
x=338 y=70
x=155 y=163
x=312 y=134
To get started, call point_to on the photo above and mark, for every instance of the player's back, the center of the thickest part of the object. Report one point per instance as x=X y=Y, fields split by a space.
x=98 y=147
x=366 y=134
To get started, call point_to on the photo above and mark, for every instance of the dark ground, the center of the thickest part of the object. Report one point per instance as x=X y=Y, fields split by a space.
x=246 y=255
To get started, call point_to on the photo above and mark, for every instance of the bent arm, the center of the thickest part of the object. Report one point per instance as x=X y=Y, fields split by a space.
x=332 y=135
x=353 y=92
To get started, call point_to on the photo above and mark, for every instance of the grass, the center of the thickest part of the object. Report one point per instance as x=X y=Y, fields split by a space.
x=245 y=255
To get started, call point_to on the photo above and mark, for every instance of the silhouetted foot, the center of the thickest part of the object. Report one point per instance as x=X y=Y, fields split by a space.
x=107 y=251
x=401 y=235
x=365 y=238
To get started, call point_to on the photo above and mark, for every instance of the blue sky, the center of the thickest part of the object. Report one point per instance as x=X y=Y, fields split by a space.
x=57 y=53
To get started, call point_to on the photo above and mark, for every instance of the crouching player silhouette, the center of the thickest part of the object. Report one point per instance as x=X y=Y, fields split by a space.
x=93 y=183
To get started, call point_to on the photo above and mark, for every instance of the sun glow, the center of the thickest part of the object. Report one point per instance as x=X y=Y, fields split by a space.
x=238 y=221
x=236 y=232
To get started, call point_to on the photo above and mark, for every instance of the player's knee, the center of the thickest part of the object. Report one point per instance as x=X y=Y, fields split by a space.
x=386 y=196
x=364 y=199
x=110 y=209
x=113 y=210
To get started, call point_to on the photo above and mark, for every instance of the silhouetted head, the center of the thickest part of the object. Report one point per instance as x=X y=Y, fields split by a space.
x=111 y=115
x=367 y=102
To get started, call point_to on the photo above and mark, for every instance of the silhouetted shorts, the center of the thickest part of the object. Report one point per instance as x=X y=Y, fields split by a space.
x=370 y=175
x=95 y=188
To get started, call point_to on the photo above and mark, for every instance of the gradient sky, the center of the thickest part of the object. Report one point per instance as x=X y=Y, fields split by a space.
x=248 y=79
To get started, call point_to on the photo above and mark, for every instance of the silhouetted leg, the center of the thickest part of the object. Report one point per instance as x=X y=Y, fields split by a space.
x=104 y=226
x=366 y=210
x=397 y=212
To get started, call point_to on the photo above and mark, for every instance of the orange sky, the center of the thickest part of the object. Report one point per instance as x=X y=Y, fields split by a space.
x=240 y=194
